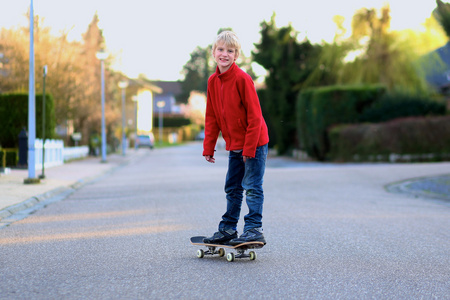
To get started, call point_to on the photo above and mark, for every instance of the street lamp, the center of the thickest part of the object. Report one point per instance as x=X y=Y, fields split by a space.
x=135 y=100
x=42 y=176
x=31 y=108
x=160 y=105
x=101 y=55
x=123 y=85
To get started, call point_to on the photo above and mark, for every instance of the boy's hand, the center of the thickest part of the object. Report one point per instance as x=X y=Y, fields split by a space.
x=210 y=159
x=244 y=158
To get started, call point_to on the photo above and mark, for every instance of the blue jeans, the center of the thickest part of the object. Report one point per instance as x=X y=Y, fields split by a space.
x=249 y=177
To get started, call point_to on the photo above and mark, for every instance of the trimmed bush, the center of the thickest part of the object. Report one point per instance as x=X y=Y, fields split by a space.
x=413 y=135
x=14 y=117
x=171 y=121
x=394 y=106
x=320 y=108
x=8 y=157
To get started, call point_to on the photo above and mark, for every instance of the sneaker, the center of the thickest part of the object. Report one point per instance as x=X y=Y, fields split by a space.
x=252 y=235
x=221 y=237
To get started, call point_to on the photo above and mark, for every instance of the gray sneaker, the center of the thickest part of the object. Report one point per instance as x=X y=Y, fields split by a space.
x=252 y=235
x=221 y=236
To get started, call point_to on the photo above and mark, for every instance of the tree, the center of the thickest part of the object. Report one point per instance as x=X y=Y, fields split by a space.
x=442 y=15
x=73 y=74
x=387 y=57
x=331 y=60
x=289 y=63
x=196 y=73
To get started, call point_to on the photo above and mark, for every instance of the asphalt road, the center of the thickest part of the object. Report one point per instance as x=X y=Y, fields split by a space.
x=333 y=232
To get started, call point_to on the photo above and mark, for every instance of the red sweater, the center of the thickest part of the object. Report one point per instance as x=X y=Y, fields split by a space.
x=233 y=108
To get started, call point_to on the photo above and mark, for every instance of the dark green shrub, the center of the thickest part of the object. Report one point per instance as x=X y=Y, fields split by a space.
x=171 y=121
x=320 y=108
x=413 y=135
x=14 y=117
x=11 y=157
x=392 y=106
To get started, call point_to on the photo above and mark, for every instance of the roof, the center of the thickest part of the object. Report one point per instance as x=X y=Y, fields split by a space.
x=146 y=84
x=169 y=87
x=438 y=68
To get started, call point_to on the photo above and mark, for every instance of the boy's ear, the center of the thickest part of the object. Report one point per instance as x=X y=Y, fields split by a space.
x=237 y=54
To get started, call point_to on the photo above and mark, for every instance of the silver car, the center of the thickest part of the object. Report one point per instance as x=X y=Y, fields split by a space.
x=145 y=140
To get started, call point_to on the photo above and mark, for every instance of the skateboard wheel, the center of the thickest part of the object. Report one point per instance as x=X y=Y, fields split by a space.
x=200 y=253
x=221 y=252
x=252 y=255
x=230 y=257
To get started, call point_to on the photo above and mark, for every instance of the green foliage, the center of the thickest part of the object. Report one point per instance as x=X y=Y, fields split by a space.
x=196 y=73
x=319 y=108
x=11 y=158
x=414 y=135
x=330 y=66
x=172 y=121
x=14 y=117
x=442 y=15
x=289 y=64
x=373 y=55
x=392 y=106
x=8 y=157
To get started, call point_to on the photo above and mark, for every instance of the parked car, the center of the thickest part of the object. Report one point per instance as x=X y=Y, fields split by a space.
x=145 y=140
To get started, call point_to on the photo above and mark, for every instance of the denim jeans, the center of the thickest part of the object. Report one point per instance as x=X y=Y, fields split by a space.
x=249 y=177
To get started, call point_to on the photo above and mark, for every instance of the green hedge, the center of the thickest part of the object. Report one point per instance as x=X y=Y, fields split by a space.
x=392 y=106
x=405 y=136
x=171 y=121
x=319 y=108
x=8 y=157
x=14 y=117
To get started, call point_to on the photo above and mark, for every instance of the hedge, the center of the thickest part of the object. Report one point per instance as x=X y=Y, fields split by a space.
x=9 y=157
x=319 y=108
x=171 y=121
x=392 y=106
x=405 y=136
x=14 y=117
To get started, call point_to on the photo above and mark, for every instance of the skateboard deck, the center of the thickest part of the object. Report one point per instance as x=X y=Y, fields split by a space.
x=219 y=249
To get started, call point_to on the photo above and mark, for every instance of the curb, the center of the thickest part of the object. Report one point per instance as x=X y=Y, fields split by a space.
x=410 y=187
x=21 y=210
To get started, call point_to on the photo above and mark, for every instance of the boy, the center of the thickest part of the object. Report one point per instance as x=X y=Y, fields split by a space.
x=233 y=108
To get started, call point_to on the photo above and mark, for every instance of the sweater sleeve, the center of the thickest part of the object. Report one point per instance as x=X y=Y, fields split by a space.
x=211 y=127
x=254 y=116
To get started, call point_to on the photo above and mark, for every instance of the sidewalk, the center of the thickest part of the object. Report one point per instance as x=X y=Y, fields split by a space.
x=60 y=181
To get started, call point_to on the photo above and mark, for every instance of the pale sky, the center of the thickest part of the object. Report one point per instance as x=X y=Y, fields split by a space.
x=155 y=38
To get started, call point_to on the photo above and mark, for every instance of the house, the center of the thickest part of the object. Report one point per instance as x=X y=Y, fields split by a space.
x=436 y=65
x=167 y=99
x=144 y=94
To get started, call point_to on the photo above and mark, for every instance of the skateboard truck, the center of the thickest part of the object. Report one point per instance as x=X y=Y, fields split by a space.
x=241 y=254
x=211 y=251
x=217 y=249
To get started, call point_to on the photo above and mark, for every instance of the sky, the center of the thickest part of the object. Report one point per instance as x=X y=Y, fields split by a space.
x=155 y=38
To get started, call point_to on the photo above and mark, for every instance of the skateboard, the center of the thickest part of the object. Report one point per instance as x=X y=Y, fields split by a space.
x=218 y=249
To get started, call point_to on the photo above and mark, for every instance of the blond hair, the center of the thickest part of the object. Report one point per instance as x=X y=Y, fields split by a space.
x=230 y=40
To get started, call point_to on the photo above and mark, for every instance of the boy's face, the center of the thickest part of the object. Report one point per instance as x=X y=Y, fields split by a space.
x=224 y=56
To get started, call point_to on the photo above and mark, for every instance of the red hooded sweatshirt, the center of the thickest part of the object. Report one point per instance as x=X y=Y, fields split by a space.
x=233 y=108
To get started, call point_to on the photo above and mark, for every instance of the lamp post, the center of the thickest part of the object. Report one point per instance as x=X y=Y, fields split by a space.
x=123 y=85
x=160 y=105
x=42 y=176
x=135 y=100
x=101 y=55
x=31 y=108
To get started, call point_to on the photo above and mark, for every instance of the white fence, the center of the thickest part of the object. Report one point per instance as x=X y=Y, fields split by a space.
x=56 y=154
